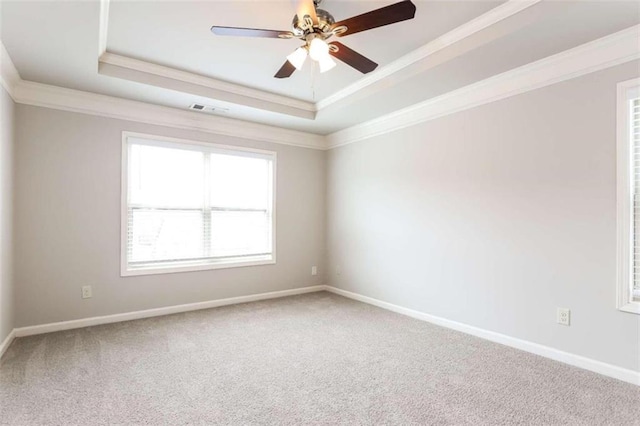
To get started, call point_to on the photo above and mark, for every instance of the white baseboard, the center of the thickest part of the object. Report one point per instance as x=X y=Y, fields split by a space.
x=600 y=367
x=128 y=316
x=7 y=342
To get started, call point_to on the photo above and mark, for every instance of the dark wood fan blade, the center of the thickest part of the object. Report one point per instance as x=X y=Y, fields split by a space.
x=378 y=18
x=285 y=71
x=250 y=32
x=352 y=58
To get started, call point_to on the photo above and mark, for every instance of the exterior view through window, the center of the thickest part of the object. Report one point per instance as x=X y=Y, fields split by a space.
x=192 y=206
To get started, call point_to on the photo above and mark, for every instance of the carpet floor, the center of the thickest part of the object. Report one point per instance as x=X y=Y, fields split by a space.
x=311 y=359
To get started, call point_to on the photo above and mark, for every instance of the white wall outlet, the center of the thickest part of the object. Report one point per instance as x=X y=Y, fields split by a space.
x=86 y=292
x=564 y=316
x=314 y=270
x=338 y=270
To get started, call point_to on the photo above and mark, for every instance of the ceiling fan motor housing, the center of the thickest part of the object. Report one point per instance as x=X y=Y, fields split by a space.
x=306 y=26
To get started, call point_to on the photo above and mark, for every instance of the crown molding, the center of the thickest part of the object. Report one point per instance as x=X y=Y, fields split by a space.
x=468 y=29
x=170 y=78
x=47 y=96
x=103 y=27
x=596 y=55
x=9 y=76
x=133 y=69
x=44 y=95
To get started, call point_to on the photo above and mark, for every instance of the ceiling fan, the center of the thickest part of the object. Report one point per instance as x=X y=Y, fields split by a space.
x=314 y=26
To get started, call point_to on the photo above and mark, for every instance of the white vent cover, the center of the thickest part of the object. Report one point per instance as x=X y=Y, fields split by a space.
x=209 y=108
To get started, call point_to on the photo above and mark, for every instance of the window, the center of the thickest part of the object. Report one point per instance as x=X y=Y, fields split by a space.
x=192 y=206
x=629 y=196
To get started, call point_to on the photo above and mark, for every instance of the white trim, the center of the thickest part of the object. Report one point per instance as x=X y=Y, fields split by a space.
x=9 y=76
x=7 y=342
x=624 y=301
x=596 y=55
x=599 y=54
x=103 y=28
x=187 y=77
x=154 y=139
x=599 y=367
x=168 y=310
x=595 y=366
x=157 y=140
x=274 y=201
x=167 y=77
x=192 y=268
x=170 y=78
x=462 y=32
x=124 y=199
x=47 y=96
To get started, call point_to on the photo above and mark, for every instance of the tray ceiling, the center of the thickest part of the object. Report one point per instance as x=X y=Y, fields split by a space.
x=59 y=43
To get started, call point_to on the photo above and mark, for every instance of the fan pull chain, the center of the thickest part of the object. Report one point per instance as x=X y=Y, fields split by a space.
x=313 y=82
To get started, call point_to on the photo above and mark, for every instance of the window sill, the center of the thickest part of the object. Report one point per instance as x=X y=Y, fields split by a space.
x=631 y=307
x=176 y=267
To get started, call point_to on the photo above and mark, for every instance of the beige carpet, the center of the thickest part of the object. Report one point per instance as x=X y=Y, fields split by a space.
x=311 y=359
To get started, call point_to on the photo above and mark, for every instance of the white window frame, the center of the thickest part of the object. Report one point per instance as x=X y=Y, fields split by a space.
x=625 y=184
x=156 y=140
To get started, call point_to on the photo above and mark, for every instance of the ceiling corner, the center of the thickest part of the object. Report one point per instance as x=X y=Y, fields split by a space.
x=9 y=75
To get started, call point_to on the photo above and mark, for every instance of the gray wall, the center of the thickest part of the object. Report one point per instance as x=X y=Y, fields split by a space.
x=68 y=222
x=493 y=217
x=6 y=213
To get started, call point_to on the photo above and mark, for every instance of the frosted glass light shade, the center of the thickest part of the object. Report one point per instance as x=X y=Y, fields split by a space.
x=318 y=49
x=326 y=63
x=298 y=57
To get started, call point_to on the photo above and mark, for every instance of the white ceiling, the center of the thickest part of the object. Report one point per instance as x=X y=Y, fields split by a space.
x=177 y=34
x=57 y=42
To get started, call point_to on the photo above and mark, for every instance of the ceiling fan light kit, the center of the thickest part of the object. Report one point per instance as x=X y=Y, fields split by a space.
x=314 y=26
x=318 y=49
x=326 y=63
x=298 y=57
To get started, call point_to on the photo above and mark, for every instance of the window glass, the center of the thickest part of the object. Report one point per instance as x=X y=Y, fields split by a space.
x=239 y=182
x=193 y=204
x=166 y=177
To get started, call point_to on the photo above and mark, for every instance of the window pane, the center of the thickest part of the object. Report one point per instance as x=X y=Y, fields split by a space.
x=165 y=235
x=240 y=182
x=191 y=205
x=240 y=233
x=166 y=177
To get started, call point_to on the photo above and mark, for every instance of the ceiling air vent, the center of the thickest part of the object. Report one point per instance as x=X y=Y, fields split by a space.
x=208 y=108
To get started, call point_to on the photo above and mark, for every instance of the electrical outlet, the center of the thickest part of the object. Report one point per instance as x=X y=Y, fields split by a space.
x=314 y=270
x=86 y=292
x=564 y=316
x=338 y=270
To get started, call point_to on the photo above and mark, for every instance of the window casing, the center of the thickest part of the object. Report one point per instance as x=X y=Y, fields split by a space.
x=628 y=147
x=189 y=206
